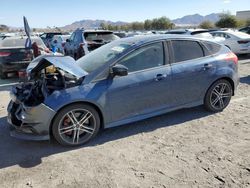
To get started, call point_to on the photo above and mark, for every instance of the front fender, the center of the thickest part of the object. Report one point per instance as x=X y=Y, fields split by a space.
x=89 y=93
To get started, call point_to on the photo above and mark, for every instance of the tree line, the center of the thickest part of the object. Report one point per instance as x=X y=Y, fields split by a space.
x=161 y=23
x=226 y=21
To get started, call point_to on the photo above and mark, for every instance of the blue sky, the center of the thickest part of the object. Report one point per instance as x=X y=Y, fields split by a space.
x=51 y=13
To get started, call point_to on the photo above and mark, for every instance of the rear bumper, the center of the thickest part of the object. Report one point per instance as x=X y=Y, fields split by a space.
x=30 y=123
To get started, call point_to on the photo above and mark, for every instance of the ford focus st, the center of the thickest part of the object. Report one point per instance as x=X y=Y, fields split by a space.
x=122 y=82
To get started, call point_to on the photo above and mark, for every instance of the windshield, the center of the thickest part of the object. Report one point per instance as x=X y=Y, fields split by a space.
x=102 y=55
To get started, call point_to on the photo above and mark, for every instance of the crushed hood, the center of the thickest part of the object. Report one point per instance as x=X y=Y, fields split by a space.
x=65 y=63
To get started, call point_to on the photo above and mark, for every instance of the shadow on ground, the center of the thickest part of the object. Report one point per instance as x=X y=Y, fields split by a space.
x=29 y=154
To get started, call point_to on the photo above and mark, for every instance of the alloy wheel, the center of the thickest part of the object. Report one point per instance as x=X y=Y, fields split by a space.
x=77 y=126
x=220 y=96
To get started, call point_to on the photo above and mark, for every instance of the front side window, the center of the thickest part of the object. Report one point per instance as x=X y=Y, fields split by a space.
x=144 y=58
x=184 y=50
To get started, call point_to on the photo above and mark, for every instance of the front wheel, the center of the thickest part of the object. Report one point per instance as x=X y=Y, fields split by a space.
x=218 y=96
x=76 y=124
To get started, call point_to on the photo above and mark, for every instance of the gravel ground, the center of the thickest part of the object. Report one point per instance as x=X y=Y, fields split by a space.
x=186 y=148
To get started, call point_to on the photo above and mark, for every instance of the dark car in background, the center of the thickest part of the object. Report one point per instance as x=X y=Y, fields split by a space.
x=13 y=54
x=83 y=41
x=245 y=30
x=119 y=83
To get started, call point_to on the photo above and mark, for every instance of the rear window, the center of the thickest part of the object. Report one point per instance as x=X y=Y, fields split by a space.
x=186 y=50
x=212 y=47
x=100 y=36
x=19 y=42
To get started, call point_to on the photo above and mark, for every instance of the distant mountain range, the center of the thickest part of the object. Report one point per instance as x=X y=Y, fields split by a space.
x=87 y=24
x=194 y=19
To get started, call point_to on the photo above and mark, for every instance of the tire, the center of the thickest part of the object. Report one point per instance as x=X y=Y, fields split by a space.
x=218 y=96
x=76 y=124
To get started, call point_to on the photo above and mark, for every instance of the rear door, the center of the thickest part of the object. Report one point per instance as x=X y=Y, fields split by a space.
x=147 y=87
x=191 y=71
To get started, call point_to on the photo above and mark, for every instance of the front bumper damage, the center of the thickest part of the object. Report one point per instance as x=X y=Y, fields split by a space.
x=29 y=123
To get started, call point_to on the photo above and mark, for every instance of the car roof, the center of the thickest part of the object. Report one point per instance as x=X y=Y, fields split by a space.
x=151 y=38
x=232 y=32
x=94 y=31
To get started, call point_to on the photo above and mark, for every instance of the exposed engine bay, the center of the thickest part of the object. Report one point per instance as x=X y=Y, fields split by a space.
x=43 y=82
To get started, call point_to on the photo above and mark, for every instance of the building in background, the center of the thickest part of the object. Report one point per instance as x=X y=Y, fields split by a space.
x=243 y=15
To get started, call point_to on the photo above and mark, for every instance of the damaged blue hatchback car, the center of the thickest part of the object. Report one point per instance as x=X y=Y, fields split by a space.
x=122 y=82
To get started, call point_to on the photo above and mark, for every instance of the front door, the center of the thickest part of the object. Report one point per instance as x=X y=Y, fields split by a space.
x=147 y=87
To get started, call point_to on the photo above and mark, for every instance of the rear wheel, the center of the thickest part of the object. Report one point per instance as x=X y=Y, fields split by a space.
x=218 y=96
x=76 y=124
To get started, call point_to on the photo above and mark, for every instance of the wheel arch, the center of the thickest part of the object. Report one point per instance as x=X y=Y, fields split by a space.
x=78 y=102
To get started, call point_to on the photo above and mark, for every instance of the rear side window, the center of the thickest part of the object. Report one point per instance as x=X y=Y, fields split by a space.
x=212 y=47
x=186 y=50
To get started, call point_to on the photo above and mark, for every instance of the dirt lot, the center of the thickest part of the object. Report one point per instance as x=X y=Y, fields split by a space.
x=187 y=148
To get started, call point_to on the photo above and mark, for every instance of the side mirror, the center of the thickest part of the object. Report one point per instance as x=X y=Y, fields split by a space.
x=119 y=70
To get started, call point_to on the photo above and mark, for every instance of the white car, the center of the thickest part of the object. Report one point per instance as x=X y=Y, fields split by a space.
x=198 y=33
x=238 y=42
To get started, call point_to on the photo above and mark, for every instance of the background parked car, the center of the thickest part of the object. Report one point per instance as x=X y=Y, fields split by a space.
x=199 y=33
x=13 y=54
x=245 y=30
x=238 y=42
x=58 y=41
x=83 y=41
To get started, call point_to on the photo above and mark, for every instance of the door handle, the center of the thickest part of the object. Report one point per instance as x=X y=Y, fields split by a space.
x=160 y=77
x=207 y=66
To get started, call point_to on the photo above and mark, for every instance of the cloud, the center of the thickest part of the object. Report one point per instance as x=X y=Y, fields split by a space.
x=226 y=1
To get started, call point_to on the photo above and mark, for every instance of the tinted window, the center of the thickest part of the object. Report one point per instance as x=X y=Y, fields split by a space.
x=100 y=36
x=212 y=47
x=186 y=50
x=144 y=58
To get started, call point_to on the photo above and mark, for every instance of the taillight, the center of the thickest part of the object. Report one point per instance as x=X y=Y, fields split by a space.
x=4 y=54
x=243 y=41
x=231 y=57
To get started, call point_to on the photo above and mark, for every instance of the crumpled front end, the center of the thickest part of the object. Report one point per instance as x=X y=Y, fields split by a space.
x=28 y=115
x=30 y=123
